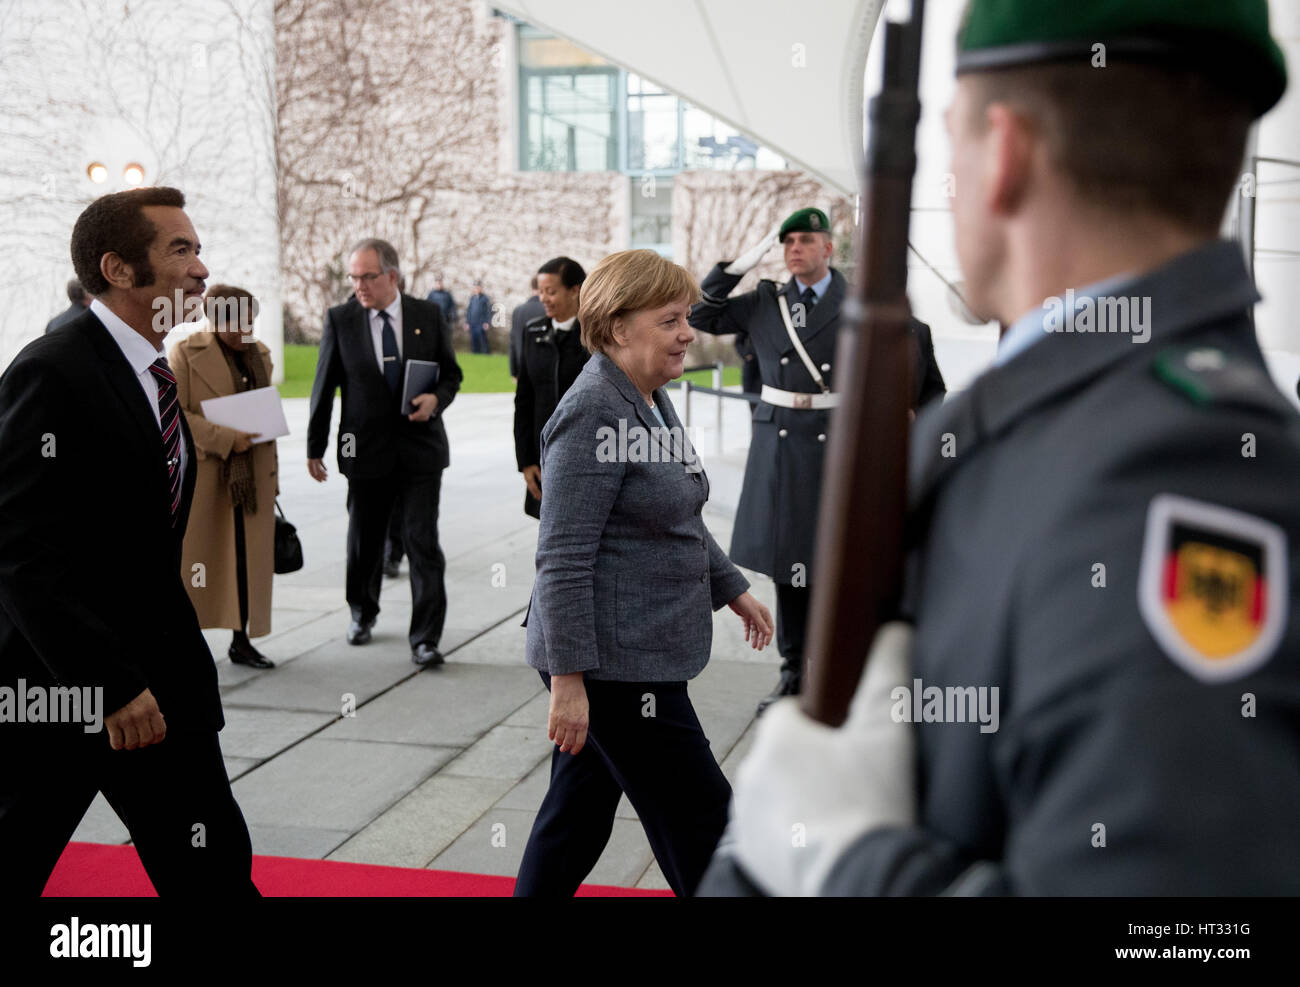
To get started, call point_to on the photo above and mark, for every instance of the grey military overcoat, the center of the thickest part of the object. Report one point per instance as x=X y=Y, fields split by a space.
x=776 y=520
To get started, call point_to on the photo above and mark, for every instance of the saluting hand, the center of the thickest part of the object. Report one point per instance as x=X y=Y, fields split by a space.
x=757 y=619
x=137 y=724
x=569 y=716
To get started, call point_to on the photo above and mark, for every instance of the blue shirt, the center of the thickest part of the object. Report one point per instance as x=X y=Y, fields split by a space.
x=1028 y=329
x=819 y=289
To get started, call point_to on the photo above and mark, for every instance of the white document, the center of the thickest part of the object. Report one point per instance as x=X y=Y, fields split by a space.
x=258 y=410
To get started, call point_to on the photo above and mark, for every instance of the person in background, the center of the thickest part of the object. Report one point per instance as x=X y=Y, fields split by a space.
x=1099 y=552
x=441 y=297
x=524 y=313
x=478 y=316
x=552 y=358
x=232 y=536
x=78 y=301
x=628 y=577
x=791 y=330
x=389 y=454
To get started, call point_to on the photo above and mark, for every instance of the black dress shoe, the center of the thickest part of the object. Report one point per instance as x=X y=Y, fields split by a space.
x=426 y=656
x=359 y=630
x=789 y=685
x=243 y=653
x=392 y=568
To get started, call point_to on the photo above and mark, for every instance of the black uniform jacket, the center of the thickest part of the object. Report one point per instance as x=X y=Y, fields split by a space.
x=549 y=363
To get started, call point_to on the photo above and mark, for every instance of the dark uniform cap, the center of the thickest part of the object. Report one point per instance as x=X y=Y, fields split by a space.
x=808 y=220
x=1228 y=40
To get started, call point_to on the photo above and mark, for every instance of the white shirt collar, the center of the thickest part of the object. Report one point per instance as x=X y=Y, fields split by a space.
x=137 y=350
x=566 y=325
x=394 y=310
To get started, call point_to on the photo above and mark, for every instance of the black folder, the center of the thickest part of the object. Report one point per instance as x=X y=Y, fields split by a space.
x=421 y=378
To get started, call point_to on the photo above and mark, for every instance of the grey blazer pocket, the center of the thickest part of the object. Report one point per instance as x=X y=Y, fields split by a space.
x=654 y=612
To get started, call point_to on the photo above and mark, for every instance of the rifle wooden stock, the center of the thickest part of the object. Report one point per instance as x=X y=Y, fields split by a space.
x=858 y=573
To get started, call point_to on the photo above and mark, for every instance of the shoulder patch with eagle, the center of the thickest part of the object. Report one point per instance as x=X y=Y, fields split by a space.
x=1213 y=586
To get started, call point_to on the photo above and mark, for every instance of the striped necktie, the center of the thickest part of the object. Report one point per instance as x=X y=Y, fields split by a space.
x=169 y=417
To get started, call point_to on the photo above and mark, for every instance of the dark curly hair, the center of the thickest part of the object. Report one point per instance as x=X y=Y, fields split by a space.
x=117 y=224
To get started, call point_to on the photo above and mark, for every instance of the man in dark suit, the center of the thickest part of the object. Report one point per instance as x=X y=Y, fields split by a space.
x=98 y=468
x=776 y=519
x=391 y=453
x=78 y=302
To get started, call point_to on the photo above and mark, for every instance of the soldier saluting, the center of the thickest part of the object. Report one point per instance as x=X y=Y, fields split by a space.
x=792 y=330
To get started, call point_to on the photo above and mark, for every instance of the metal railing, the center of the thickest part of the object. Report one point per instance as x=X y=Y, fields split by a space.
x=687 y=389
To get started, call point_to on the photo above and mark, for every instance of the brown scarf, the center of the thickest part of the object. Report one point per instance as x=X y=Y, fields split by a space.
x=247 y=371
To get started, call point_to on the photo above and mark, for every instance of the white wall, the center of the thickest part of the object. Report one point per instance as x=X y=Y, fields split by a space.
x=185 y=88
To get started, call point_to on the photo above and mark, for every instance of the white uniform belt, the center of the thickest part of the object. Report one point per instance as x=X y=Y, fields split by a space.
x=798 y=399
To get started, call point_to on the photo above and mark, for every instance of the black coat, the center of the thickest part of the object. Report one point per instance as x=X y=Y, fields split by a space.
x=91 y=592
x=524 y=313
x=67 y=315
x=374 y=436
x=776 y=520
x=547 y=369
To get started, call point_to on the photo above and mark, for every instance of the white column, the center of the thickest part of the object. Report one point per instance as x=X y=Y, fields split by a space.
x=1277 y=215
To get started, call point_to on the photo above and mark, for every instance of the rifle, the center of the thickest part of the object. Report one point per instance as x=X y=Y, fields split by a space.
x=858 y=573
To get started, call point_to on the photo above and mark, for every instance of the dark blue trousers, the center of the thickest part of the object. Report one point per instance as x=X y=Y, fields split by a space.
x=644 y=739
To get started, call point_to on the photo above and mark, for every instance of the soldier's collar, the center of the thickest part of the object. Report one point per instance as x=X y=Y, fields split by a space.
x=1195 y=289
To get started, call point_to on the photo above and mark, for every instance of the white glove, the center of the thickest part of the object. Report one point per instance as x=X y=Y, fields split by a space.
x=807 y=792
x=747 y=261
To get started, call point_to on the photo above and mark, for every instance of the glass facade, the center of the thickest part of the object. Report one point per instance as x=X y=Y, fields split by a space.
x=579 y=113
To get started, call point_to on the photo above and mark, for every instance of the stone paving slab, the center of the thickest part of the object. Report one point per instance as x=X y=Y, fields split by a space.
x=451 y=706
x=101 y=825
x=303 y=842
x=238 y=766
x=335 y=784
x=625 y=858
x=318 y=679
x=504 y=752
x=259 y=733
x=424 y=823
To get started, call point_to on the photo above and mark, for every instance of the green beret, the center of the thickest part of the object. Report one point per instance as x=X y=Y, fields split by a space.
x=1228 y=40
x=805 y=221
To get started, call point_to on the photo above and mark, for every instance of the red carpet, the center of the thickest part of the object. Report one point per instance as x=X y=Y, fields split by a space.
x=94 y=870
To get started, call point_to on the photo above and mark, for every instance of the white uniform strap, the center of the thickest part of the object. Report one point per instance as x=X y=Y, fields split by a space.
x=798 y=344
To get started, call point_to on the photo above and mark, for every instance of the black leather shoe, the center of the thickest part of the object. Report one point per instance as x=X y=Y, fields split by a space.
x=243 y=653
x=359 y=630
x=789 y=685
x=392 y=569
x=426 y=656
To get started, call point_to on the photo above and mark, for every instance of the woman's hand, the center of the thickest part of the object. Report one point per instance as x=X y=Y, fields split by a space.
x=244 y=441
x=757 y=619
x=567 y=723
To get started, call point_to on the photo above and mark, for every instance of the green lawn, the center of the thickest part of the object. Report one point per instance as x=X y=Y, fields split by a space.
x=484 y=373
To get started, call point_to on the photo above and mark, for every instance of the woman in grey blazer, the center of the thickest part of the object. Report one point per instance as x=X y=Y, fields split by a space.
x=628 y=578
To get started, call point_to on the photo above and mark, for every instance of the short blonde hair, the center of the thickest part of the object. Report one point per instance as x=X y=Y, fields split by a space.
x=626 y=282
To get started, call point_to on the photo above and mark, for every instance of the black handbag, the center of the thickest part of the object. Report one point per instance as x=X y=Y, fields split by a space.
x=288 y=549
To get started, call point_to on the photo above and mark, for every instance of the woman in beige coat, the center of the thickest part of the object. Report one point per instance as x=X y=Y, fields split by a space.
x=229 y=552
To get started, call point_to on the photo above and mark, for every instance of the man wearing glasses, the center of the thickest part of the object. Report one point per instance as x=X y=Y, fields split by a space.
x=390 y=452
